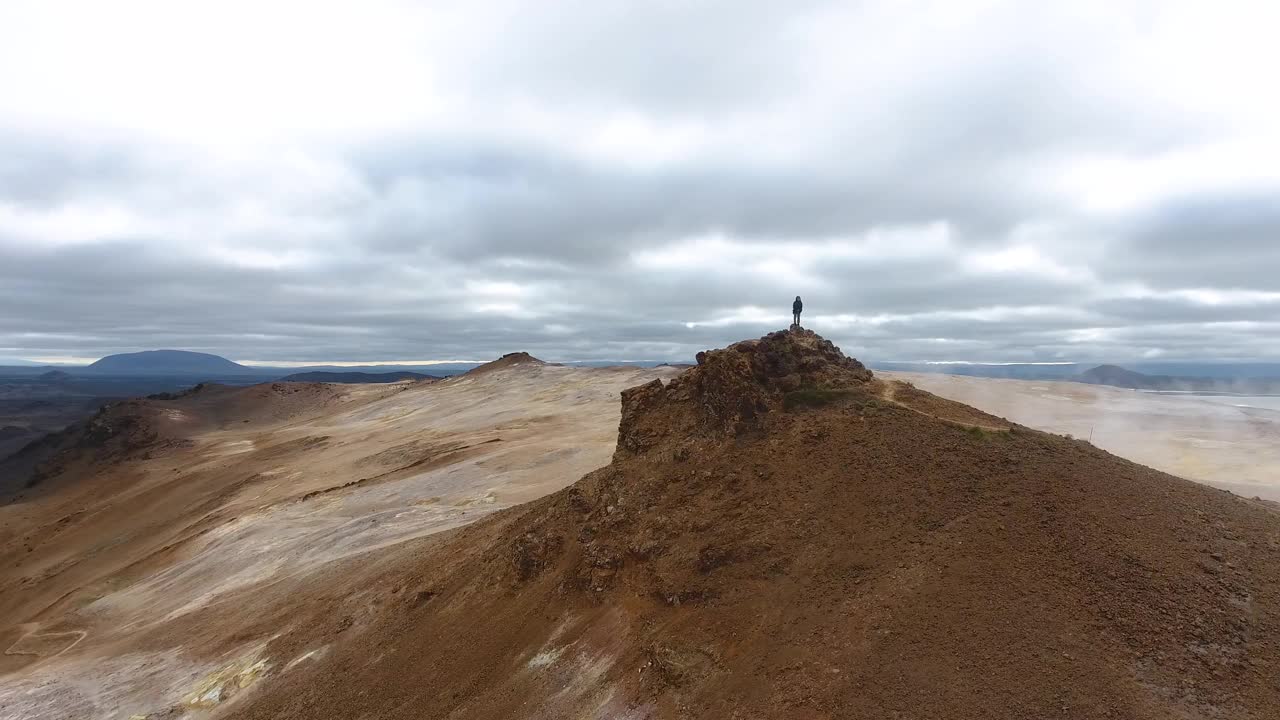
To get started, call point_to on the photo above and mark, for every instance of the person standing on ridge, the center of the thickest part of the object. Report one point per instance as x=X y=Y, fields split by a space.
x=796 y=308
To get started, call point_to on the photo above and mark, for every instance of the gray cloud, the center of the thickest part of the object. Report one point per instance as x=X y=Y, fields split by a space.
x=1210 y=240
x=993 y=182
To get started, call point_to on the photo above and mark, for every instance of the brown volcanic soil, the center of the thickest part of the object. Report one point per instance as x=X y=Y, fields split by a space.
x=847 y=557
x=132 y=429
x=169 y=539
x=908 y=395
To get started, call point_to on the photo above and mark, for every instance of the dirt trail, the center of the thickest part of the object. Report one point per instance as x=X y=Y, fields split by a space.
x=904 y=394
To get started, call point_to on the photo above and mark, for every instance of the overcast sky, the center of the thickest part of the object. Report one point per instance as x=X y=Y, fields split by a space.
x=303 y=181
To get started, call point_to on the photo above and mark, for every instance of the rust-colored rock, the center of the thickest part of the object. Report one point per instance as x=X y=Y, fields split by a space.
x=729 y=391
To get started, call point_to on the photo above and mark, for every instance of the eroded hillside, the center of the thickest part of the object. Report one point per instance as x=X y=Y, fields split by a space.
x=166 y=537
x=1228 y=442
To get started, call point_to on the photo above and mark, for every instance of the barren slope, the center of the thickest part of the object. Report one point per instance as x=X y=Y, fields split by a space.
x=1231 y=443
x=164 y=534
x=776 y=539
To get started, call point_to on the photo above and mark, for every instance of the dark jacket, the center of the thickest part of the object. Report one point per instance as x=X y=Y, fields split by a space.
x=796 y=307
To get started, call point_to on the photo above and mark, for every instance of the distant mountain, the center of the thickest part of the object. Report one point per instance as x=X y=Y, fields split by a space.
x=1215 y=370
x=55 y=376
x=356 y=377
x=168 y=362
x=1116 y=376
x=34 y=371
x=181 y=363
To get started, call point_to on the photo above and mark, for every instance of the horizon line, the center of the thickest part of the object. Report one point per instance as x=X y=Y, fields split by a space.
x=79 y=361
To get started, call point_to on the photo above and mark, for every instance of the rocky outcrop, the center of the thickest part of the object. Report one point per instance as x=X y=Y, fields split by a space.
x=509 y=360
x=730 y=390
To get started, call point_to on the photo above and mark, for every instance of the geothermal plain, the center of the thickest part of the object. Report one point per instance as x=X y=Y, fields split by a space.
x=1227 y=442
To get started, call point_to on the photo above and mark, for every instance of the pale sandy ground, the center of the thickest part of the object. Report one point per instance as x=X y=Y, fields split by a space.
x=1208 y=439
x=150 y=557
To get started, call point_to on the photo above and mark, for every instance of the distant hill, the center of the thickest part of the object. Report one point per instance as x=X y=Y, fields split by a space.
x=356 y=377
x=55 y=376
x=1116 y=376
x=34 y=371
x=200 y=366
x=168 y=362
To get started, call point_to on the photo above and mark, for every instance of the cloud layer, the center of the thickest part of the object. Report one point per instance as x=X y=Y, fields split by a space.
x=939 y=180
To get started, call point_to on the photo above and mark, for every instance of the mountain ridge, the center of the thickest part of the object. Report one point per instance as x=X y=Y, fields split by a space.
x=159 y=362
x=1117 y=376
x=781 y=534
